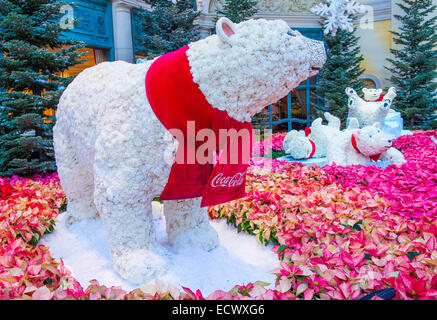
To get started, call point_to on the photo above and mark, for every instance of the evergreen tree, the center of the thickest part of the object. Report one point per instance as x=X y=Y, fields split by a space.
x=414 y=64
x=238 y=10
x=341 y=70
x=33 y=55
x=167 y=27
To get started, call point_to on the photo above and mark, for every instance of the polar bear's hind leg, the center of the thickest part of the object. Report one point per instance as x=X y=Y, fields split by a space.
x=333 y=121
x=76 y=181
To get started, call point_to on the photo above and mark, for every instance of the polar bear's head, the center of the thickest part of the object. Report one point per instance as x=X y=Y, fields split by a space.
x=371 y=140
x=372 y=94
x=247 y=66
x=395 y=156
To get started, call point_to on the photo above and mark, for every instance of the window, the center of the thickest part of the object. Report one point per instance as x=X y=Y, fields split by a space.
x=93 y=56
x=297 y=106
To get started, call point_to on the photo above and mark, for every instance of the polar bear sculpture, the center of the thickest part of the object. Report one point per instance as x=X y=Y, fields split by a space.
x=360 y=146
x=110 y=146
x=394 y=156
x=369 y=112
x=312 y=143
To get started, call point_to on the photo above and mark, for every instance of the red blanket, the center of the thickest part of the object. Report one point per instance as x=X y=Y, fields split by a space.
x=182 y=108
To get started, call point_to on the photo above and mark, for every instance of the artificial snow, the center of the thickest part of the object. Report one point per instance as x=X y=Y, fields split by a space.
x=239 y=259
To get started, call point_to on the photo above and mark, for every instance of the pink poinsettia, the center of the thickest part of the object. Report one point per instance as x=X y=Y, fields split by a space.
x=339 y=232
x=354 y=227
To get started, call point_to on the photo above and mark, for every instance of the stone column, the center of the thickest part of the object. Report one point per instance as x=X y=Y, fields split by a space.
x=121 y=17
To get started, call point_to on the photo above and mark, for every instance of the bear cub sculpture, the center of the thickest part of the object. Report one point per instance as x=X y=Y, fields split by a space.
x=313 y=141
x=361 y=146
x=370 y=110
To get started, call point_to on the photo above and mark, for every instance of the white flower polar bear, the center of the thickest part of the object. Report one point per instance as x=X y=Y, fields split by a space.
x=358 y=146
x=299 y=146
x=110 y=147
x=369 y=112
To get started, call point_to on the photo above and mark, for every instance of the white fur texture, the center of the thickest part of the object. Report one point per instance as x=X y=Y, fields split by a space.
x=297 y=145
x=371 y=94
x=111 y=149
x=262 y=66
x=369 y=112
x=393 y=155
x=370 y=141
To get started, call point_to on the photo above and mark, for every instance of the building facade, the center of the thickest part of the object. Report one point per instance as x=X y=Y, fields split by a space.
x=109 y=29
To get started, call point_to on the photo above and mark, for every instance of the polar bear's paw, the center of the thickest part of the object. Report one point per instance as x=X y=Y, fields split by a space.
x=78 y=214
x=139 y=266
x=203 y=236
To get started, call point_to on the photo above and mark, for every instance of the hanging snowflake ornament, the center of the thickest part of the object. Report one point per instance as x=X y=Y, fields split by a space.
x=337 y=14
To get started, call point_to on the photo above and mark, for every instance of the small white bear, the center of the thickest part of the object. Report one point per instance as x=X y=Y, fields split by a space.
x=358 y=146
x=369 y=112
x=372 y=94
x=393 y=155
x=312 y=142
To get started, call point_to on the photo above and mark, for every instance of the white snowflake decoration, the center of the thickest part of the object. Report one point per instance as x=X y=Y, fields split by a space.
x=337 y=14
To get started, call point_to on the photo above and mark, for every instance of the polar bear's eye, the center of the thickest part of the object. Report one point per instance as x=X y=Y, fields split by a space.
x=293 y=33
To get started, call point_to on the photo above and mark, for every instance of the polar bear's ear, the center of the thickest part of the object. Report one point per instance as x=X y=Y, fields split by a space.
x=377 y=125
x=225 y=30
x=378 y=91
x=365 y=90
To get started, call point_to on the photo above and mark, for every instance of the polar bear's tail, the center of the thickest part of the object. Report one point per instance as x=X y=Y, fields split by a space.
x=333 y=122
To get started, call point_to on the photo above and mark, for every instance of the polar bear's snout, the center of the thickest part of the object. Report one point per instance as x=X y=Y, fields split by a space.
x=389 y=144
x=318 y=51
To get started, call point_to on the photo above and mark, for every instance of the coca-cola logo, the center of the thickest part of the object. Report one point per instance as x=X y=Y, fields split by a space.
x=228 y=181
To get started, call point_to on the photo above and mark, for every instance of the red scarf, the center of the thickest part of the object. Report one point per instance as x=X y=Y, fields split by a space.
x=379 y=99
x=313 y=145
x=374 y=157
x=176 y=99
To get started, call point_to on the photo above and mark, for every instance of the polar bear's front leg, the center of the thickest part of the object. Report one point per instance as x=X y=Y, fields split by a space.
x=188 y=224
x=125 y=185
x=127 y=215
x=388 y=98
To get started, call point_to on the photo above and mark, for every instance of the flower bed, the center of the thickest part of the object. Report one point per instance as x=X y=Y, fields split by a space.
x=338 y=232
x=344 y=231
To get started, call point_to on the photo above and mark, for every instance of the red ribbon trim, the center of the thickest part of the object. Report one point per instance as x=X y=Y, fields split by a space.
x=374 y=157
